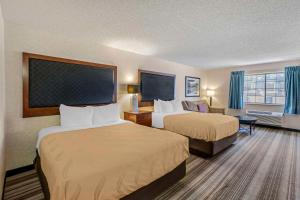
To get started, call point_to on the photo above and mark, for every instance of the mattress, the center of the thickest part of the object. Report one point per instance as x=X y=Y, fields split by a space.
x=108 y=162
x=158 y=118
x=202 y=126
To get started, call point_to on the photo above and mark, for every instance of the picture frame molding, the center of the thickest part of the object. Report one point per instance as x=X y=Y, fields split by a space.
x=185 y=85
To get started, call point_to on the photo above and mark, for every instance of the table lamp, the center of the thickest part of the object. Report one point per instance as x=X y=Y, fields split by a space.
x=210 y=94
x=134 y=90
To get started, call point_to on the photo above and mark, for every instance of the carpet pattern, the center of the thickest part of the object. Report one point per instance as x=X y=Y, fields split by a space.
x=265 y=165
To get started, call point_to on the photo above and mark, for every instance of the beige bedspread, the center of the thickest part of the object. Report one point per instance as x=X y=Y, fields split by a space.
x=108 y=162
x=204 y=126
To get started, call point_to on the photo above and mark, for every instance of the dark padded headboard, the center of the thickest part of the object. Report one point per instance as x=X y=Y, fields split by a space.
x=155 y=85
x=49 y=82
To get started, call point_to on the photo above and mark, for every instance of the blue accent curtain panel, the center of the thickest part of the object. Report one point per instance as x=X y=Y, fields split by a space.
x=236 y=90
x=292 y=90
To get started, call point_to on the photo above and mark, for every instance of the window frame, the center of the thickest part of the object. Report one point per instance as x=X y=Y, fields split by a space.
x=265 y=88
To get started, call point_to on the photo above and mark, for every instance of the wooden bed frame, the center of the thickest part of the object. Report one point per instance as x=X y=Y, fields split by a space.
x=46 y=111
x=145 y=193
x=208 y=149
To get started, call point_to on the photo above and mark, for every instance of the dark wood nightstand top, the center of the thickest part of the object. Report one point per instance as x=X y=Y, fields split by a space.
x=139 y=112
x=141 y=117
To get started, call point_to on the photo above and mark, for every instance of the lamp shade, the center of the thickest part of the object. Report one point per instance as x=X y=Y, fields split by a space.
x=210 y=93
x=133 y=89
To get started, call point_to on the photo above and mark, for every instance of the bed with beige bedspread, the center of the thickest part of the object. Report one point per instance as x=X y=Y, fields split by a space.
x=208 y=133
x=203 y=126
x=108 y=162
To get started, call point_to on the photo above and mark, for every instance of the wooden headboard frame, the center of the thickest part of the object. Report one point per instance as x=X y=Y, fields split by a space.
x=45 y=111
x=149 y=103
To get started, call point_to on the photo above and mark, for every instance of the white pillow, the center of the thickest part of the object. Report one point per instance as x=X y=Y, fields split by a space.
x=106 y=114
x=177 y=106
x=75 y=116
x=157 y=106
x=166 y=106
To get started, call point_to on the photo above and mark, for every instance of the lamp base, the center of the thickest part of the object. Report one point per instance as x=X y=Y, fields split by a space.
x=134 y=101
x=210 y=101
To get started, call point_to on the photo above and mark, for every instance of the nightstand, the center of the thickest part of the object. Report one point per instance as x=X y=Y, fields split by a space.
x=140 y=117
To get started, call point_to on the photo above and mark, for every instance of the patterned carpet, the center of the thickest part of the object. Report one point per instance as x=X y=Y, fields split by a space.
x=265 y=165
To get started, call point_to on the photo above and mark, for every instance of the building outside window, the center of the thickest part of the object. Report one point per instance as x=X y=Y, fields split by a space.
x=266 y=88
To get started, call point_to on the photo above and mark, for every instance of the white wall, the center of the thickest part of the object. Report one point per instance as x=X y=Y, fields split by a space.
x=2 y=104
x=21 y=133
x=219 y=79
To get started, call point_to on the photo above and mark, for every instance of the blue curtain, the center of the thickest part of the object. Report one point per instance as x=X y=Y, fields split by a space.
x=292 y=90
x=236 y=90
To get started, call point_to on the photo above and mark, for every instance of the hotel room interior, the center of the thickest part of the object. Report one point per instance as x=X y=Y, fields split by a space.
x=149 y=99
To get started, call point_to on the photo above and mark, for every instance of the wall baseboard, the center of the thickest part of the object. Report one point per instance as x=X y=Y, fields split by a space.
x=19 y=170
x=278 y=127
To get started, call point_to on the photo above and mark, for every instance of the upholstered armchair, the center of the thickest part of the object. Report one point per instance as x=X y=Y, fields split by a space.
x=196 y=106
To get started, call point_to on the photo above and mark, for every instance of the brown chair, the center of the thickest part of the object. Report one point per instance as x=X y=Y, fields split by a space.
x=193 y=106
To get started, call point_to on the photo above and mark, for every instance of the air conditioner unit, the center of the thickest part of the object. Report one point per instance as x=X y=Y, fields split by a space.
x=266 y=117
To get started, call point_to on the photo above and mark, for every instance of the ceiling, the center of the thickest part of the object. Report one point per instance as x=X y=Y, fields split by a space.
x=201 y=33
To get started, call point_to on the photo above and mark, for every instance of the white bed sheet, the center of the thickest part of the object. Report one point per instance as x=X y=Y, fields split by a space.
x=158 y=118
x=56 y=129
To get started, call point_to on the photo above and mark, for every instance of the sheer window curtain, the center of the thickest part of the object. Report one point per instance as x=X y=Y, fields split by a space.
x=292 y=90
x=236 y=90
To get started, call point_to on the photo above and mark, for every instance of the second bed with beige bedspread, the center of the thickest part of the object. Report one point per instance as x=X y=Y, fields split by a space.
x=202 y=126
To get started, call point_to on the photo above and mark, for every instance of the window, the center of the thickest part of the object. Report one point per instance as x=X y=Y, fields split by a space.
x=264 y=88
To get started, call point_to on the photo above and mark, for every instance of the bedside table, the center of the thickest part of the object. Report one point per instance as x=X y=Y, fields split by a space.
x=140 y=117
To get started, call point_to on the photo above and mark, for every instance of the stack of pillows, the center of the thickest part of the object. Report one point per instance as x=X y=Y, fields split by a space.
x=197 y=107
x=161 y=106
x=88 y=116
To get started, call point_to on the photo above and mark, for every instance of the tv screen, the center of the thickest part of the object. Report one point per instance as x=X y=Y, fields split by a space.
x=156 y=86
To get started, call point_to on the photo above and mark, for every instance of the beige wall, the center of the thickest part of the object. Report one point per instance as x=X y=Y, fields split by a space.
x=219 y=80
x=21 y=133
x=2 y=104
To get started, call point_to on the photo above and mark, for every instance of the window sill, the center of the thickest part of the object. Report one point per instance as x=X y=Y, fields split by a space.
x=264 y=104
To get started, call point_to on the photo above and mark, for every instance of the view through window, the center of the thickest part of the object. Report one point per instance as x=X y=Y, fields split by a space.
x=265 y=88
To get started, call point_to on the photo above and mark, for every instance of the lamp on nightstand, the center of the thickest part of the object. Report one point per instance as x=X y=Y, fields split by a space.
x=210 y=94
x=134 y=90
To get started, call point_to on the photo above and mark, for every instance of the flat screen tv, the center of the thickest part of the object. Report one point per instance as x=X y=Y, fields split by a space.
x=155 y=85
